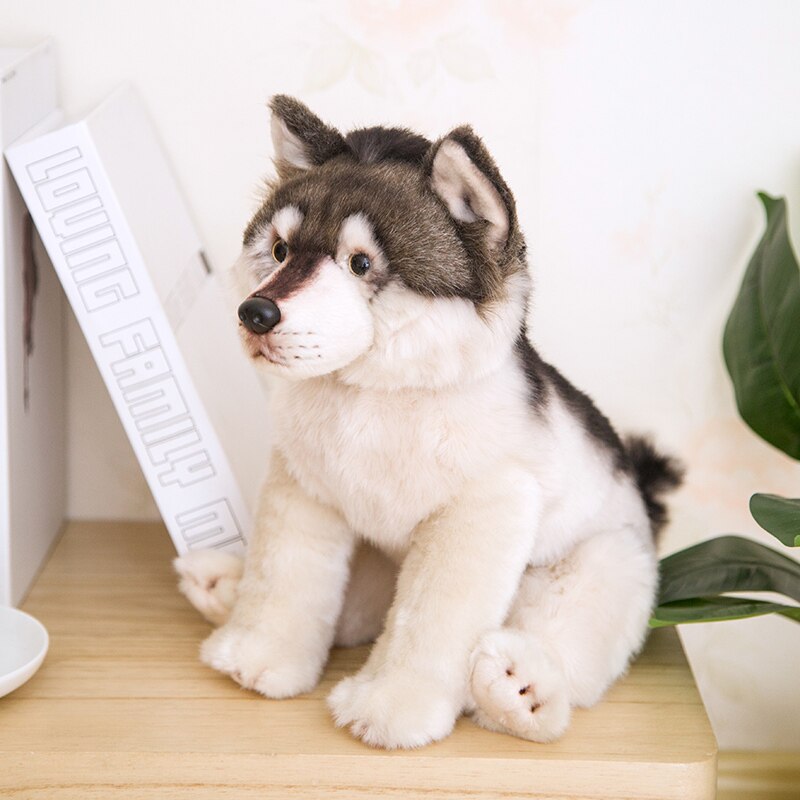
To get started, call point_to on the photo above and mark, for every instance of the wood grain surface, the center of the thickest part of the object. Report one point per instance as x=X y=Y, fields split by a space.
x=122 y=708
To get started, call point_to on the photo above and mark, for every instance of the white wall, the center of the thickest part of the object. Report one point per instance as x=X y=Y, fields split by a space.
x=634 y=134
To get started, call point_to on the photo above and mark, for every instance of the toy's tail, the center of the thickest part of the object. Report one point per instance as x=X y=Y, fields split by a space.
x=656 y=474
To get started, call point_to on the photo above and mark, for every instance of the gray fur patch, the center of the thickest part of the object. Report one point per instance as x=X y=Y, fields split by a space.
x=384 y=173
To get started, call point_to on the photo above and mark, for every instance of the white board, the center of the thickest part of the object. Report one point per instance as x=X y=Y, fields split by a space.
x=131 y=263
x=32 y=350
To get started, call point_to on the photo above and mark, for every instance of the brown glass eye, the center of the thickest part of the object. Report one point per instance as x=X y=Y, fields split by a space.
x=280 y=250
x=359 y=264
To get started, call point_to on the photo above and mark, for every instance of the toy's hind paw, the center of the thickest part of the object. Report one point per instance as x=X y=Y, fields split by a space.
x=518 y=688
x=210 y=581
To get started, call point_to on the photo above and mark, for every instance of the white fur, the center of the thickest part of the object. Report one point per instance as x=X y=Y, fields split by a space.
x=323 y=327
x=570 y=633
x=255 y=264
x=210 y=581
x=526 y=564
x=426 y=343
x=426 y=446
x=280 y=630
x=356 y=236
x=259 y=261
x=518 y=687
x=285 y=221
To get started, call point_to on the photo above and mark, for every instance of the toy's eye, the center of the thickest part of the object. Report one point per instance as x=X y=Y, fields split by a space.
x=359 y=264
x=280 y=250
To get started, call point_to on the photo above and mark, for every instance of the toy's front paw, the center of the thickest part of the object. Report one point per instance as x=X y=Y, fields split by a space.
x=394 y=709
x=255 y=662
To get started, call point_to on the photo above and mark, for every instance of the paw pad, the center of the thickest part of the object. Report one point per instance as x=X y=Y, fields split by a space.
x=518 y=688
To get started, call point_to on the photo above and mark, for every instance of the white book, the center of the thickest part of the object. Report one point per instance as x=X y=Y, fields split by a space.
x=32 y=351
x=130 y=260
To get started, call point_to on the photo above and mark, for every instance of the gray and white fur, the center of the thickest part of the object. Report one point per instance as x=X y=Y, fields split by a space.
x=434 y=482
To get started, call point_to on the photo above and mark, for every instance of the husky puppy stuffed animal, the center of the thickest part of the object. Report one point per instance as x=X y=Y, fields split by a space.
x=434 y=482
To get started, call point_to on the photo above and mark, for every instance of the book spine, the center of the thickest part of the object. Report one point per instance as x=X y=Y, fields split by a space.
x=83 y=227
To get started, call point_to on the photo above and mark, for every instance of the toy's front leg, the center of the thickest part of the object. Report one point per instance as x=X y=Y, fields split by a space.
x=457 y=581
x=281 y=628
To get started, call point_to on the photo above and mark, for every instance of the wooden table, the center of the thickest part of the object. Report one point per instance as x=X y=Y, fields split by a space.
x=122 y=708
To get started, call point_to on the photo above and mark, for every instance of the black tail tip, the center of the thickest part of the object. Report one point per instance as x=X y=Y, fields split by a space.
x=656 y=474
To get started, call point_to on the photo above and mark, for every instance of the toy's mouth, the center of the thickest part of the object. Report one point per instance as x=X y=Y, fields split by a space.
x=283 y=353
x=270 y=355
x=272 y=358
x=258 y=347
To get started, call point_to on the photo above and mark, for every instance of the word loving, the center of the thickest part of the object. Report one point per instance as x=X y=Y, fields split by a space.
x=104 y=280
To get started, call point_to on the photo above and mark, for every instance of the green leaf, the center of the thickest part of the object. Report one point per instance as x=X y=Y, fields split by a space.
x=714 y=609
x=779 y=516
x=761 y=342
x=727 y=564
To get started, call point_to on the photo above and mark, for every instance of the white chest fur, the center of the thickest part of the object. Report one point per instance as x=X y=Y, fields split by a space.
x=387 y=460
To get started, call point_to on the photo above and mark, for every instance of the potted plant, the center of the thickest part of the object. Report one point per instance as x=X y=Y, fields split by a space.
x=762 y=352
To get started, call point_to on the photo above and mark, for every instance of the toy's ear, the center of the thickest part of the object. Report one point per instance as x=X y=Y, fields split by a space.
x=466 y=179
x=300 y=138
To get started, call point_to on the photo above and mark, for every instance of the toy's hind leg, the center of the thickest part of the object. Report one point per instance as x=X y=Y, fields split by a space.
x=572 y=630
x=210 y=581
x=368 y=597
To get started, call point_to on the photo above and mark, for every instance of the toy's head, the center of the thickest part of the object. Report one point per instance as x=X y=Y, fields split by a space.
x=380 y=256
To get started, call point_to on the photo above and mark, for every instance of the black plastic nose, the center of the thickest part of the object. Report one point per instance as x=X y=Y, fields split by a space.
x=259 y=315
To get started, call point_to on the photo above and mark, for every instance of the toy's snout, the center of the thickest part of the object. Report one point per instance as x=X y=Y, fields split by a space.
x=259 y=315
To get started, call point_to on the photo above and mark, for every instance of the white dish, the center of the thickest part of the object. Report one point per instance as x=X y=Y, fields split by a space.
x=23 y=645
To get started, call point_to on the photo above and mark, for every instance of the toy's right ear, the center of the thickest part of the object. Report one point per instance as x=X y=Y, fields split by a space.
x=300 y=138
x=467 y=181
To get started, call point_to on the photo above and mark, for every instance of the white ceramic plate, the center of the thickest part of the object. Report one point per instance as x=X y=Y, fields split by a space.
x=23 y=644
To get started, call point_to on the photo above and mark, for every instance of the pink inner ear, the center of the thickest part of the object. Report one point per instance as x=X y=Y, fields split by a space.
x=468 y=194
x=288 y=147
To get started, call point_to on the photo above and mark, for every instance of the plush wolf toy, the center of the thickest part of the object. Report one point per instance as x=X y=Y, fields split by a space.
x=434 y=482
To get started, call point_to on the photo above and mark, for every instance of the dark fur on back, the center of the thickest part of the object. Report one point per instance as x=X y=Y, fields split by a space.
x=655 y=474
x=544 y=378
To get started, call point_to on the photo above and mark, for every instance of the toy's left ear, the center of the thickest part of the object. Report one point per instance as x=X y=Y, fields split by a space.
x=300 y=138
x=467 y=180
